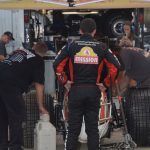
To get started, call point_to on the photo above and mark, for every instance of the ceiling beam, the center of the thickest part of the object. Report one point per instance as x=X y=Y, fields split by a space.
x=31 y=4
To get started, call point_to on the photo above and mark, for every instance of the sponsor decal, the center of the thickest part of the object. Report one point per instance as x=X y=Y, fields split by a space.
x=28 y=53
x=86 y=56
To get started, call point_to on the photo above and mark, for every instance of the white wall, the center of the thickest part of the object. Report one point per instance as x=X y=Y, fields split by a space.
x=12 y=20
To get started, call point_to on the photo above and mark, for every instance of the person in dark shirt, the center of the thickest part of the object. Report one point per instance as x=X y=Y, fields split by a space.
x=17 y=72
x=86 y=58
x=134 y=68
x=5 y=38
x=136 y=62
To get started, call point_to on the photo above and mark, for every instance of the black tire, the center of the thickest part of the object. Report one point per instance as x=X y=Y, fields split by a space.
x=138 y=115
x=114 y=25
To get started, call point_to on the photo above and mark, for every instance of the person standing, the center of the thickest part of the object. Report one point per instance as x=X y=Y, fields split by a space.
x=17 y=72
x=85 y=58
x=5 y=38
x=128 y=38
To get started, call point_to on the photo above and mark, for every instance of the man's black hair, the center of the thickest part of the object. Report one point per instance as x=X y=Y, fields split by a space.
x=88 y=25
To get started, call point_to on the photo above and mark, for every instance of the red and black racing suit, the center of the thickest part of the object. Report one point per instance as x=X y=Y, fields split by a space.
x=86 y=58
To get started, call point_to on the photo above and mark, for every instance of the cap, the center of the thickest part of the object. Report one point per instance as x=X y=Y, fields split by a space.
x=9 y=34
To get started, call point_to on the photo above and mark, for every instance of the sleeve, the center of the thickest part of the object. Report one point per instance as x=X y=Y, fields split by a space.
x=2 y=50
x=113 y=66
x=38 y=75
x=60 y=63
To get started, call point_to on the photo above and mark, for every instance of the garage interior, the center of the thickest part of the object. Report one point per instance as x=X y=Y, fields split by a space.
x=57 y=24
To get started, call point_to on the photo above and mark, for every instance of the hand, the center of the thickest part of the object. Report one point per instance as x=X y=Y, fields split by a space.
x=125 y=38
x=43 y=110
x=101 y=87
x=128 y=43
x=68 y=85
x=125 y=42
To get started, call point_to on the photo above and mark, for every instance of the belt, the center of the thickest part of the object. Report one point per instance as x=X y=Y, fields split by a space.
x=84 y=84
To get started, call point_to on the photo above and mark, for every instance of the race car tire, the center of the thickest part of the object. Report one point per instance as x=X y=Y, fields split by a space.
x=138 y=115
x=114 y=24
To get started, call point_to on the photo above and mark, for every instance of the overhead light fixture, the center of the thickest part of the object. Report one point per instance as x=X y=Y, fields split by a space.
x=70 y=3
x=79 y=12
x=59 y=2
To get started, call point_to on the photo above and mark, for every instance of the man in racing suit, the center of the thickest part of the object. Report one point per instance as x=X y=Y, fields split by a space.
x=85 y=58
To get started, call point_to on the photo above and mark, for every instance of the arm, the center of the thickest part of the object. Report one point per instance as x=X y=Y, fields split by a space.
x=2 y=51
x=40 y=97
x=112 y=73
x=2 y=57
x=113 y=66
x=60 y=63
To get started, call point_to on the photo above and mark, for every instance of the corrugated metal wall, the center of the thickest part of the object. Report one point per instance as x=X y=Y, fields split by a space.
x=12 y=20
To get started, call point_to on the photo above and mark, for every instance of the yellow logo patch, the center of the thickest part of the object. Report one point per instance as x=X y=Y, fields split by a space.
x=86 y=56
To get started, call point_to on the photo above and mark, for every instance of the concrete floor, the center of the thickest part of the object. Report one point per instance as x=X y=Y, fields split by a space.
x=116 y=137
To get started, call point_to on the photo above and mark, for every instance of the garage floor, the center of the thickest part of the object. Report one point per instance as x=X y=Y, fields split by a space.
x=116 y=136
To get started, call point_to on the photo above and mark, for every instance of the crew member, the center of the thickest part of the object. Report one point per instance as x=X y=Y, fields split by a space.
x=85 y=58
x=17 y=72
x=136 y=62
x=5 y=38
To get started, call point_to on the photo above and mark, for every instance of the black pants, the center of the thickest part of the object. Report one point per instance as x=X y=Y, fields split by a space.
x=83 y=101
x=12 y=112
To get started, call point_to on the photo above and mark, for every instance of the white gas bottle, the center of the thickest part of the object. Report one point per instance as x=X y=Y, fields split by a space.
x=44 y=134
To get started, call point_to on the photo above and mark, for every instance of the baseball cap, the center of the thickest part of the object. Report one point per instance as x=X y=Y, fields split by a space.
x=9 y=34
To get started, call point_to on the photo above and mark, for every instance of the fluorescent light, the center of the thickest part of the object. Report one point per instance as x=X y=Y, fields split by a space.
x=64 y=3
x=75 y=12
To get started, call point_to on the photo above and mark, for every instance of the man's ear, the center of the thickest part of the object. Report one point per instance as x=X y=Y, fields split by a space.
x=94 y=32
x=80 y=31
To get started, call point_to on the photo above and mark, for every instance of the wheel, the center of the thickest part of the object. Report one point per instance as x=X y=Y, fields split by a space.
x=114 y=25
x=138 y=114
